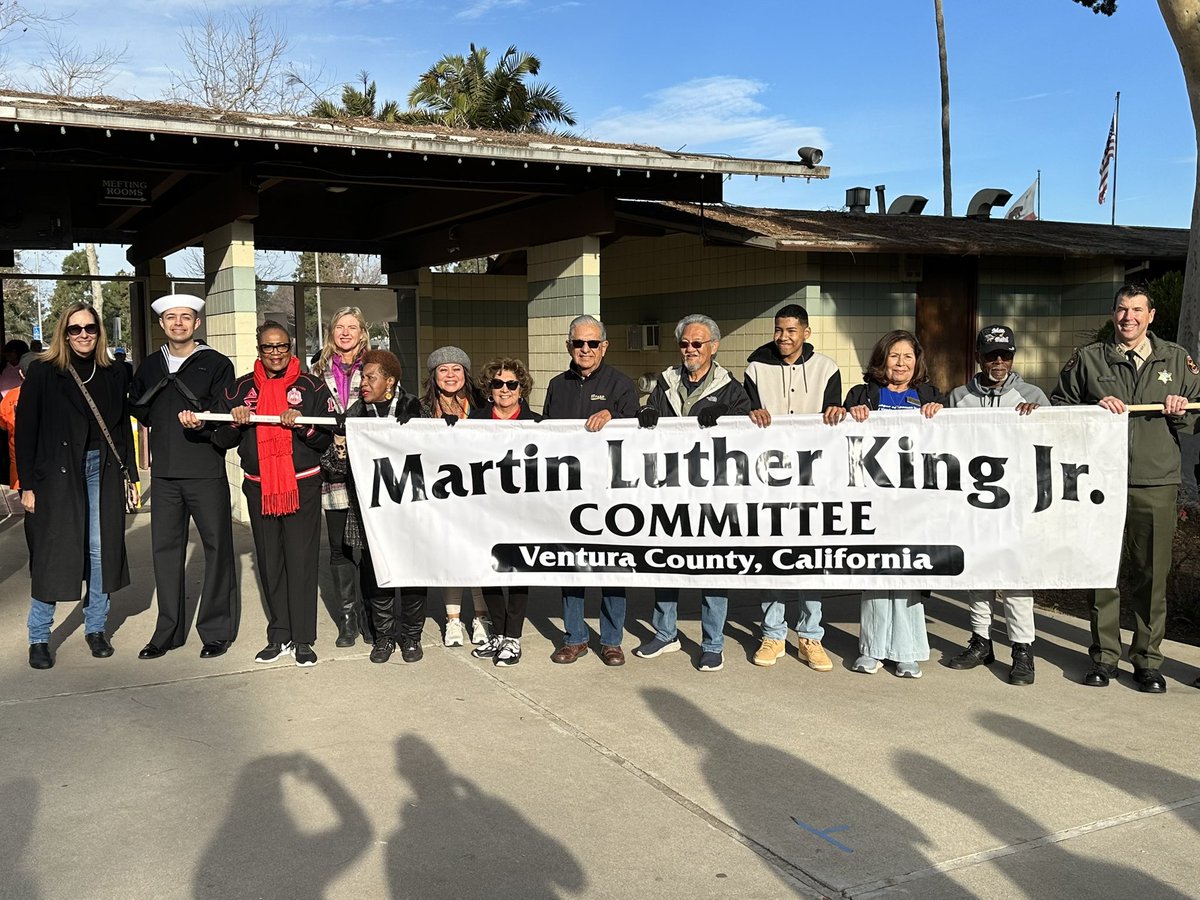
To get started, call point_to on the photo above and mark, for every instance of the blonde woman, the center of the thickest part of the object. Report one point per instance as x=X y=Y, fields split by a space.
x=340 y=365
x=451 y=394
x=73 y=444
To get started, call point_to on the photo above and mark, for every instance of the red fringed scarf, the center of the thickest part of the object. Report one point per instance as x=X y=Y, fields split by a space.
x=280 y=496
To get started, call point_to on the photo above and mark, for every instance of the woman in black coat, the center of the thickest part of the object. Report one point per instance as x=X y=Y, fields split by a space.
x=72 y=485
x=383 y=397
x=507 y=384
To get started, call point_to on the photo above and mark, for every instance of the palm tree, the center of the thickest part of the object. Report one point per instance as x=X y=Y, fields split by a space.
x=356 y=104
x=462 y=92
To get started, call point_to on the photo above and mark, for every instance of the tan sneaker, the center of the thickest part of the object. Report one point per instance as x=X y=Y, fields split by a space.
x=771 y=650
x=814 y=654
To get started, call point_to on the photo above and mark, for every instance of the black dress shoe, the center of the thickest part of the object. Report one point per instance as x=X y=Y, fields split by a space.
x=39 y=656
x=1099 y=675
x=101 y=648
x=152 y=651
x=213 y=648
x=1149 y=681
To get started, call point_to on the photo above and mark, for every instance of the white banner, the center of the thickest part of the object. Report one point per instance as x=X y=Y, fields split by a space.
x=969 y=499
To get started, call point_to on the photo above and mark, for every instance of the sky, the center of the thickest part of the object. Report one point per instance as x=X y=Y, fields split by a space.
x=1032 y=84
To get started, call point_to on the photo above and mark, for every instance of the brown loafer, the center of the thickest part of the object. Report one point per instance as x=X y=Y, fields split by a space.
x=612 y=656
x=568 y=653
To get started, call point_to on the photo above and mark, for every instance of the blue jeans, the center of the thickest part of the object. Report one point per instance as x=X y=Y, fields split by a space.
x=612 y=616
x=713 y=609
x=95 y=607
x=775 y=616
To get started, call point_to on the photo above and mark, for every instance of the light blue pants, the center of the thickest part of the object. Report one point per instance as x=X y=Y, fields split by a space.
x=892 y=626
x=713 y=610
x=775 y=615
x=612 y=616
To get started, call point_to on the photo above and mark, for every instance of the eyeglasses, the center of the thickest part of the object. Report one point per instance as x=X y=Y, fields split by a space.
x=579 y=345
x=998 y=354
x=76 y=330
x=695 y=345
x=274 y=348
x=498 y=383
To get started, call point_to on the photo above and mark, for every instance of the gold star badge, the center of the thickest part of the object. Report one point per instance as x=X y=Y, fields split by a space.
x=1164 y=376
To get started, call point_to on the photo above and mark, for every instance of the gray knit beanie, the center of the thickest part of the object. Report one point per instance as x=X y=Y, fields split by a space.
x=446 y=355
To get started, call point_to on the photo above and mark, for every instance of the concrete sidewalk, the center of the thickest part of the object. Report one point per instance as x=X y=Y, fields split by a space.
x=449 y=778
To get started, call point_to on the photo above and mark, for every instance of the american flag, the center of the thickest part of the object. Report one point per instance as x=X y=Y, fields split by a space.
x=1110 y=152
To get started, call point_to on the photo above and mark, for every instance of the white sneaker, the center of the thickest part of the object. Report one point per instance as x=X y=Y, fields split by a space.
x=509 y=653
x=454 y=633
x=479 y=630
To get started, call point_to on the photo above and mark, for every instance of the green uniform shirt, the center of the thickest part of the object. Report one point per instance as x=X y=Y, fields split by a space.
x=1101 y=369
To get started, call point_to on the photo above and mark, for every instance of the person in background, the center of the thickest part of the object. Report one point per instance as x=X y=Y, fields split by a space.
x=788 y=377
x=339 y=364
x=72 y=480
x=700 y=387
x=120 y=357
x=8 y=420
x=891 y=623
x=282 y=486
x=451 y=394
x=10 y=369
x=994 y=386
x=508 y=383
x=384 y=397
x=596 y=393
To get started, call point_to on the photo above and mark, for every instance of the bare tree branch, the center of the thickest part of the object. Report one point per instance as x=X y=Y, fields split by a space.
x=67 y=70
x=236 y=61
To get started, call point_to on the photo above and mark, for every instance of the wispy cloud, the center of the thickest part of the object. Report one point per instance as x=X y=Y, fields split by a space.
x=1044 y=95
x=720 y=114
x=481 y=8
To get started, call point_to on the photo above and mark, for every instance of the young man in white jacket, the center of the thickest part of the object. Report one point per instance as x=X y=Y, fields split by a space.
x=785 y=377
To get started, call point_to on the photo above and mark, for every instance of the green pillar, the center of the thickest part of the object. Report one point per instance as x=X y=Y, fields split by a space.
x=564 y=282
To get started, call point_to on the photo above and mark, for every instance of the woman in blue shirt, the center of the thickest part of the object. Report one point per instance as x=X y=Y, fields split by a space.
x=892 y=623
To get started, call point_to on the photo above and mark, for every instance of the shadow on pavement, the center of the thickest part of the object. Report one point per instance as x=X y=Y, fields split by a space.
x=1135 y=777
x=1034 y=871
x=261 y=850
x=761 y=788
x=19 y=802
x=502 y=854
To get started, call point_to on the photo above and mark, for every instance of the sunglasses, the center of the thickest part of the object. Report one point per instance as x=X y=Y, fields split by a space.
x=498 y=383
x=76 y=330
x=695 y=345
x=998 y=354
x=579 y=345
x=274 y=348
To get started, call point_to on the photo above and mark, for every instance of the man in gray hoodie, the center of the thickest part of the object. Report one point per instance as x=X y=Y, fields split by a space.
x=997 y=385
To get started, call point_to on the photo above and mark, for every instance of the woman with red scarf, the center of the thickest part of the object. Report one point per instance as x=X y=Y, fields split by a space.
x=282 y=486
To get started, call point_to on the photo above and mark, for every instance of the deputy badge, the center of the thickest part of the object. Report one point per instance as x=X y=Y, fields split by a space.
x=1192 y=367
x=293 y=397
x=1073 y=361
x=1164 y=376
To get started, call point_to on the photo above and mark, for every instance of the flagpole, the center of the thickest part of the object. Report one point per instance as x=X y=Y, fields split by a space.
x=1038 y=193
x=1116 y=144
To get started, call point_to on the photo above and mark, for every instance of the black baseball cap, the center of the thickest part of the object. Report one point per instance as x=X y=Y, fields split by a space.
x=995 y=337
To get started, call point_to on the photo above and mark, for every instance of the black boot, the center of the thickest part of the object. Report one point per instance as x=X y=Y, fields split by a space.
x=978 y=652
x=1022 y=664
x=345 y=586
x=381 y=607
x=413 y=601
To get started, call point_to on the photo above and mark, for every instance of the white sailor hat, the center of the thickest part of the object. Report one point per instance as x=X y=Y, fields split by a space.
x=174 y=301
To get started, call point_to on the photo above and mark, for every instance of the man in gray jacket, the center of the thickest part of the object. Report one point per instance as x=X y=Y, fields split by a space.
x=997 y=385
